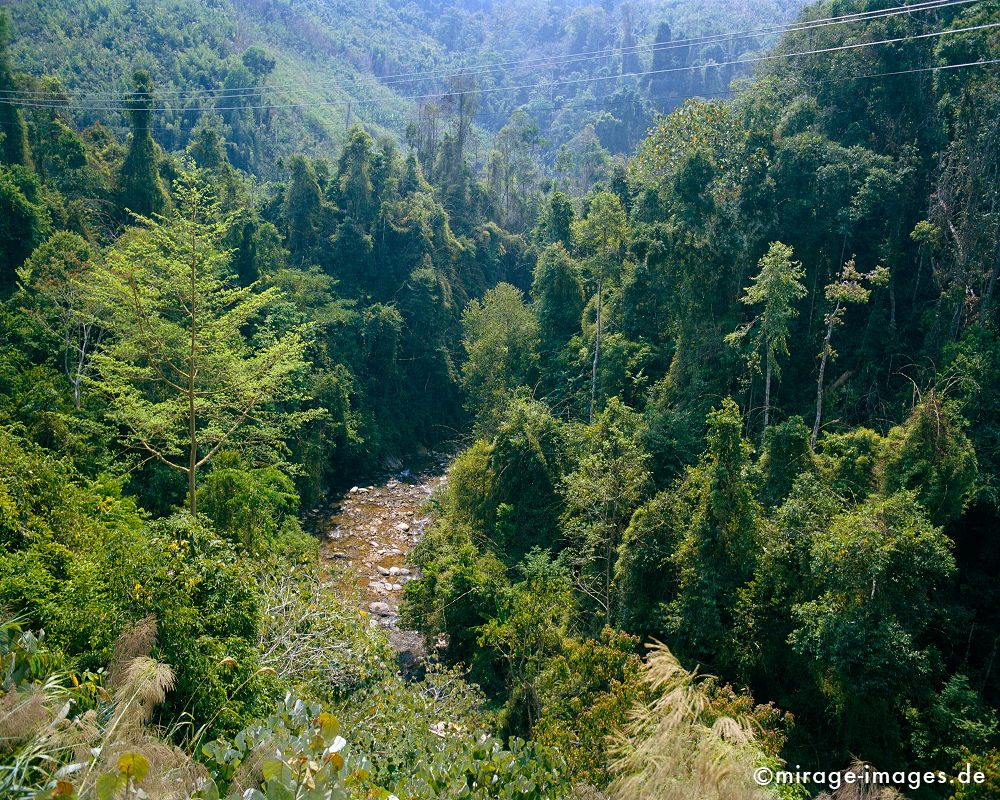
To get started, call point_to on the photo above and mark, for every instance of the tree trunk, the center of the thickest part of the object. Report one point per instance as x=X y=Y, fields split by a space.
x=192 y=422
x=819 y=381
x=767 y=394
x=987 y=303
x=597 y=353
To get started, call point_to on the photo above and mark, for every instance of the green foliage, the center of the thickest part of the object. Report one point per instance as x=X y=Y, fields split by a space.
x=501 y=342
x=14 y=139
x=644 y=574
x=776 y=287
x=718 y=544
x=974 y=360
x=601 y=234
x=181 y=377
x=255 y=507
x=528 y=628
x=555 y=225
x=861 y=610
x=81 y=562
x=690 y=128
x=340 y=296
x=507 y=490
x=989 y=764
x=786 y=455
x=584 y=692
x=851 y=461
x=25 y=221
x=931 y=455
x=601 y=493
x=956 y=722
x=139 y=185
x=490 y=771
x=295 y=752
x=55 y=292
x=400 y=725
x=458 y=591
x=557 y=292
x=303 y=210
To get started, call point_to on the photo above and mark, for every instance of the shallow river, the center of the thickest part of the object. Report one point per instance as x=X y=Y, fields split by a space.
x=373 y=528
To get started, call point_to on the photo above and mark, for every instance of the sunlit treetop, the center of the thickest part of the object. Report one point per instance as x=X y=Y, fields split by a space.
x=696 y=125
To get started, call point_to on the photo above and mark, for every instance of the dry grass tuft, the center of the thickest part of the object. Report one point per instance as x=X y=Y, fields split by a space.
x=145 y=684
x=860 y=789
x=133 y=642
x=248 y=774
x=173 y=775
x=667 y=752
x=22 y=715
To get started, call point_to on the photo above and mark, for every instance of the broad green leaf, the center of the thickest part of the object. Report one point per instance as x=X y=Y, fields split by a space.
x=108 y=785
x=134 y=765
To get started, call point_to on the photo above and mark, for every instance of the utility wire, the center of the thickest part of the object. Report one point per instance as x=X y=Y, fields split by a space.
x=522 y=87
x=552 y=61
x=604 y=104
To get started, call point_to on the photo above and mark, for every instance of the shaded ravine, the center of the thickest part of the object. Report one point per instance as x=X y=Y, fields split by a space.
x=373 y=529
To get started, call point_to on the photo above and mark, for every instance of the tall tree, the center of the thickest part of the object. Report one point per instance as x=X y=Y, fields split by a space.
x=610 y=481
x=25 y=220
x=501 y=340
x=354 y=176
x=558 y=294
x=849 y=288
x=556 y=222
x=719 y=541
x=776 y=287
x=182 y=378
x=14 y=138
x=139 y=184
x=602 y=235
x=630 y=59
x=55 y=283
x=303 y=208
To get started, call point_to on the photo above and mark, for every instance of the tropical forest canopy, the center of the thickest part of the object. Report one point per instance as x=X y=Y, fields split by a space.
x=702 y=296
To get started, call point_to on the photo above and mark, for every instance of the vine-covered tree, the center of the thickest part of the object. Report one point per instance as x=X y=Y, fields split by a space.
x=602 y=236
x=501 y=342
x=13 y=133
x=139 y=186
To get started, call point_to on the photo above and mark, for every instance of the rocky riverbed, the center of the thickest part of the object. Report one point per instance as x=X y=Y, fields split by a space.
x=373 y=528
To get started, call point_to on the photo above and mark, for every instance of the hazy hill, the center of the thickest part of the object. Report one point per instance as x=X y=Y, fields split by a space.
x=339 y=62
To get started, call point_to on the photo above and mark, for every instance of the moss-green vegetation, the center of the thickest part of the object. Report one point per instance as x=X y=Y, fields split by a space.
x=725 y=393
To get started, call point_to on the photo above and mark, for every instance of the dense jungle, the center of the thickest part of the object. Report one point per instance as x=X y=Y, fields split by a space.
x=499 y=399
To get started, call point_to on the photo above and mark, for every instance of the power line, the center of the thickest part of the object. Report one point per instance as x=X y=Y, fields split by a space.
x=608 y=102
x=553 y=61
x=523 y=87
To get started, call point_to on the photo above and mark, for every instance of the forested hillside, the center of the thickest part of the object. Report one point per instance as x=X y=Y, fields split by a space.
x=327 y=65
x=721 y=386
